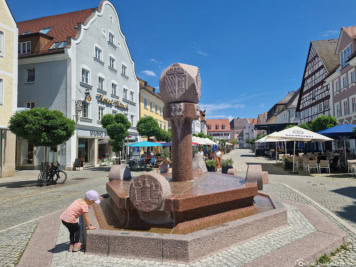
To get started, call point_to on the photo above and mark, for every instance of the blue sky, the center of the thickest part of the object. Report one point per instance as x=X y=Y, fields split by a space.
x=250 y=53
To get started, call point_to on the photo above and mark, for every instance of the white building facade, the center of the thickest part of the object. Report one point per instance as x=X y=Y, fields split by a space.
x=94 y=75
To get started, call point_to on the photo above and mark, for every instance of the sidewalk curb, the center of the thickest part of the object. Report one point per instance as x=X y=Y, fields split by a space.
x=331 y=214
x=39 y=249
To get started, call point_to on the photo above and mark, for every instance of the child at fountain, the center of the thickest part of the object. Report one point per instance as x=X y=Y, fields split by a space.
x=70 y=218
x=164 y=167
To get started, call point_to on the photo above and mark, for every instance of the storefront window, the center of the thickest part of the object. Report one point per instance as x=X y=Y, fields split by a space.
x=83 y=150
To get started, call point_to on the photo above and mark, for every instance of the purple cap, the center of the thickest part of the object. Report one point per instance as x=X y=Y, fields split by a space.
x=92 y=195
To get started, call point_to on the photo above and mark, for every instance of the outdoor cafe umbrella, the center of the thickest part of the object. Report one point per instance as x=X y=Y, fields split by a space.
x=144 y=144
x=266 y=140
x=297 y=134
x=341 y=131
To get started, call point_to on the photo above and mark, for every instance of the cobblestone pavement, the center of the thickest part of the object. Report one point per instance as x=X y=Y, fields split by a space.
x=237 y=255
x=21 y=201
x=13 y=242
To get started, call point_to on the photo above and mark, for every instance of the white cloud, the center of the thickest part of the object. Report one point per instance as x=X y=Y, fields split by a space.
x=201 y=53
x=330 y=33
x=155 y=61
x=149 y=73
x=212 y=108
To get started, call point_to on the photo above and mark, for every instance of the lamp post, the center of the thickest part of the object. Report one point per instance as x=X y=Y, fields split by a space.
x=79 y=104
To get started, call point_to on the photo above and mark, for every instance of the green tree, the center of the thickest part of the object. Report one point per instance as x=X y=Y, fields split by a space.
x=163 y=135
x=117 y=128
x=148 y=127
x=202 y=135
x=323 y=122
x=305 y=125
x=42 y=127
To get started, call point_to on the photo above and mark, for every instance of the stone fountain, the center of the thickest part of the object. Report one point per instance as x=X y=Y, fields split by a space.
x=186 y=214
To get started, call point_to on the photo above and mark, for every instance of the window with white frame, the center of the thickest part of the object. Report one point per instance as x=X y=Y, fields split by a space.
x=30 y=105
x=352 y=76
x=85 y=109
x=1 y=91
x=132 y=119
x=111 y=38
x=145 y=103
x=344 y=81
x=98 y=53
x=164 y=126
x=132 y=96
x=112 y=62
x=101 y=112
x=114 y=112
x=353 y=104
x=113 y=87
x=160 y=110
x=30 y=75
x=24 y=48
x=2 y=44
x=345 y=55
x=345 y=107
x=336 y=85
x=125 y=93
x=101 y=81
x=151 y=106
x=156 y=108
x=123 y=70
x=85 y=76
x=160 y=125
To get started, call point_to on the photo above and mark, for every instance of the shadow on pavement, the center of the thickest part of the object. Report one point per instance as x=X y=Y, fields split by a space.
x=19 y=184
x=247 y=156
x=60 y=248
x=349 y=213
x=347 y=191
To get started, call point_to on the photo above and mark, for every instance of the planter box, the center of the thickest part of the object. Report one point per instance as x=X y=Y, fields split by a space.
x=225 y=169
x=211 y=169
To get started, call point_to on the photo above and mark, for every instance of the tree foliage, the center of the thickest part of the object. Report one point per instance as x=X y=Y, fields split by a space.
x=163 y=135
x=148 y=127
x=323 y=122
x=42 y=127
x=305 y=125
x=117 y=128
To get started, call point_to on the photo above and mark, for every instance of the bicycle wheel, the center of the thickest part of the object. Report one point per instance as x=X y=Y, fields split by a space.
x=60 y=177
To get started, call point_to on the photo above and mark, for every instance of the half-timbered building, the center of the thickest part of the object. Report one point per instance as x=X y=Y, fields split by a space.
x=314 y=97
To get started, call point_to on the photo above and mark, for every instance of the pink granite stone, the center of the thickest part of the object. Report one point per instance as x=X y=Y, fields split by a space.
x=119 y=172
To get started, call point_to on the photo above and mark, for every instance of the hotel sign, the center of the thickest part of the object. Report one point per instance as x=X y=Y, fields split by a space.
x=98 y=133
x=115 y=103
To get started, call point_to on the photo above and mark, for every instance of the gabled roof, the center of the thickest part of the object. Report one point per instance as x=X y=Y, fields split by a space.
x=238 y=124
x=286 y=98
x=293 y=101
x=326 y=51
x=63 y=25
x=220 y=123
x=252 y=121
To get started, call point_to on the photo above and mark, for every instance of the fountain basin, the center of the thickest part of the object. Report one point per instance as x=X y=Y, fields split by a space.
x=152 y=244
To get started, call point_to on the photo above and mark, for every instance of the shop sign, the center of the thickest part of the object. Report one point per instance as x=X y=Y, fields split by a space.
x=115 y=103
x=98 y=133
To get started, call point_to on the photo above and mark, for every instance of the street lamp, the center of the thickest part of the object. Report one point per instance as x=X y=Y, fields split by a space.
x=79 y=104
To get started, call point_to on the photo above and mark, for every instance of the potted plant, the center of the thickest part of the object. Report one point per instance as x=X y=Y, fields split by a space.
x=211 y=165
x=226 y=164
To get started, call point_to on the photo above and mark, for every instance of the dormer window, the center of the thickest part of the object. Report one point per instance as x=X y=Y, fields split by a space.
x=46 y=30
x=223 y=127
x=217 y=127
x=58 y=45
x=345 y=55
x=25 y=48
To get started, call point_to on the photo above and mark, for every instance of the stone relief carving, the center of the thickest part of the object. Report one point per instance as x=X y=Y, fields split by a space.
x=177 y=109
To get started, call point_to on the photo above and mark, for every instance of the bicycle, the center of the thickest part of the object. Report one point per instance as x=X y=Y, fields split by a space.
x=51 y=175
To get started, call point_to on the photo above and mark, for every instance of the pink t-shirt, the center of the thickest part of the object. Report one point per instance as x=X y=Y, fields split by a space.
x=72 y=213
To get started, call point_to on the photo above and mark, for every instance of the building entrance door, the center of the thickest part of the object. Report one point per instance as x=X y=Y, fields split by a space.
x=83 y=149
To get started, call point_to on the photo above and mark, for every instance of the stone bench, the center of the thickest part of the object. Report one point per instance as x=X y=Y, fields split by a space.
x=255 y=174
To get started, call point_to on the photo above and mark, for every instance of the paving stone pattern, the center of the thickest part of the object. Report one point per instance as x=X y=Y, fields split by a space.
x=14 y=242
x=238 y=255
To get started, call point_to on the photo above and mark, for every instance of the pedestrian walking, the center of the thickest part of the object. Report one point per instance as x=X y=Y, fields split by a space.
x=70 y=218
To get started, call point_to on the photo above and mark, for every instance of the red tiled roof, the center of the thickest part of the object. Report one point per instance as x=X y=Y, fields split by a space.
x=220 y=123
x=252 y=121
x=63 y=25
